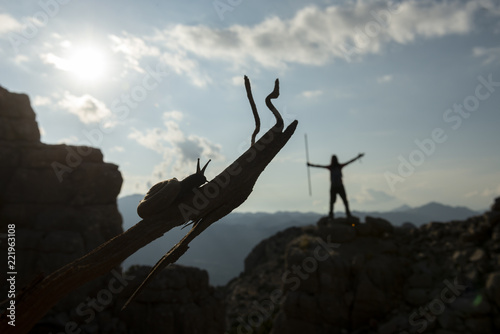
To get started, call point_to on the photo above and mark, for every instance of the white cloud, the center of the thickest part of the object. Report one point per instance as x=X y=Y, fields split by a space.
x=41 y=101
x=175 y=115
x=152 y=138
x=237 y=80
x=313 y=36
x=372 y=196
x=490 y=55
x=87 y=108
x=68 y=140
x=133 y=48
x=182 y=64
x=8 y=24
x=20 y=59
x=384 y=79
x=117 y=149
x=136 y=48
x=311 y=93
x=58 y=62
x=485 y=193
x=179 y=151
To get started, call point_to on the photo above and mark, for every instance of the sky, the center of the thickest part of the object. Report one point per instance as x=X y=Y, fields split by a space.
x=415 y=85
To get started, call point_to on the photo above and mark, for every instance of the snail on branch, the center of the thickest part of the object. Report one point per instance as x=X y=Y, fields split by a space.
x=163 y=194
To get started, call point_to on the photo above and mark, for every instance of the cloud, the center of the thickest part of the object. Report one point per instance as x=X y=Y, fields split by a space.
x=237 y=81
x=133 y=48
x=68 y=140
x=384 y=79
x=490 y=55
x=180 y=151
x=8 y=24
x=58 y=62
x=175 y=115
x=87 y=108
x=314 y=36
x=20 y=59
x=311 y=93
x=41 y=101
x=372 y=196
x=117 y=149
x=485 y=193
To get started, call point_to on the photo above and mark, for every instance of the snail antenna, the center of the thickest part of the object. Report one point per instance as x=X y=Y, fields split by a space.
x=204 y=167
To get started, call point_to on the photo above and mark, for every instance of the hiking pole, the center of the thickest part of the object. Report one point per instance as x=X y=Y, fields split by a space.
x=360 y=156
x=307 y=158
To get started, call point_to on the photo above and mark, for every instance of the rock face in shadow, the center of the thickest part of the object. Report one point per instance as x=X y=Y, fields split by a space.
x=62 y=201
x=344 y=276
x=17 y=118
x=58 y=217
x=178 y=300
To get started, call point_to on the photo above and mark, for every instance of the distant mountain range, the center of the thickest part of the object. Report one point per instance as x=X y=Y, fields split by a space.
x=222 y=248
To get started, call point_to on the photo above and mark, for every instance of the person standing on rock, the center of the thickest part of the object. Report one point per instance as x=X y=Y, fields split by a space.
x=337 y=186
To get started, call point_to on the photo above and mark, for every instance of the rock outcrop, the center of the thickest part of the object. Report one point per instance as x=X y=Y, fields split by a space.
x=58 y=217
x=350 y=277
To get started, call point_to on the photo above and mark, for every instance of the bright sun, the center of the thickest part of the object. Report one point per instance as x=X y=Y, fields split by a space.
x=87 y=63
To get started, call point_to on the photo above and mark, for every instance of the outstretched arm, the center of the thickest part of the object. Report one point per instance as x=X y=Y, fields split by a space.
x=321 y=166
x=354 y=159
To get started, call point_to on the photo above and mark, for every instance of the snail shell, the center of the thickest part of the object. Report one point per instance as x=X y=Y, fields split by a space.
x=159 y=197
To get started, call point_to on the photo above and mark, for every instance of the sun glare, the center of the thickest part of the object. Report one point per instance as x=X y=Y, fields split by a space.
x=87 y=63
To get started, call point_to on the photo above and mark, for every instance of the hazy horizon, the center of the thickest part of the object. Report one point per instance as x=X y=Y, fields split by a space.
x=339 y=208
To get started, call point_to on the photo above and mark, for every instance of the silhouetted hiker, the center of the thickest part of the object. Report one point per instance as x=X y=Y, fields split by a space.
x=337 y=186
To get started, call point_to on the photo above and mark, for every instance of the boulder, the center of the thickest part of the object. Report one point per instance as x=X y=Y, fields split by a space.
x=379 y=226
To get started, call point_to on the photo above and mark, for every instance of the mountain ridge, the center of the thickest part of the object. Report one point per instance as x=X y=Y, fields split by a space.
x=221 y=249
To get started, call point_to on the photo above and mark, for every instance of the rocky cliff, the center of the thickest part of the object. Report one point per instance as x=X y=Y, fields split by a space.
x=57 y=217
x=61 y=200
x=350 y=277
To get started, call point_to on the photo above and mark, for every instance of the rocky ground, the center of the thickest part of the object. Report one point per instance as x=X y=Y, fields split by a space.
x=349 y=277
